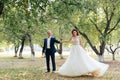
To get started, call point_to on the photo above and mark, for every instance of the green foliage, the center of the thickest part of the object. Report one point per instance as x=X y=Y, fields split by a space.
x=21 y=17
x=37 y=16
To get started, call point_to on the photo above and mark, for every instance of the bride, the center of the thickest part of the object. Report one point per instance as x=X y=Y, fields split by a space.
x=79 y=62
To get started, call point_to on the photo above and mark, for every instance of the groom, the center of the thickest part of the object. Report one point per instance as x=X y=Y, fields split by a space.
x=49 y=50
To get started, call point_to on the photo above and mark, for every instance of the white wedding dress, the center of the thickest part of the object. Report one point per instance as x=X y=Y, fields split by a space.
x=80 y=63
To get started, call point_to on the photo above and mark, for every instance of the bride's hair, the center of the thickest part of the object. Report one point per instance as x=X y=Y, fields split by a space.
x=76 y=31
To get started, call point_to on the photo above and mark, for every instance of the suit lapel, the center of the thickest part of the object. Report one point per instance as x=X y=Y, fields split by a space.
x=46 y=42
x=50 y=41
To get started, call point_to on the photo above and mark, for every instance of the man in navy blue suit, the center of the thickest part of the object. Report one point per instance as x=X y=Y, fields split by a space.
x=49 y=50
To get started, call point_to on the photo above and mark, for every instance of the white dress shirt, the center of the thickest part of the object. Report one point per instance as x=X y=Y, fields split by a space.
x=48 y=43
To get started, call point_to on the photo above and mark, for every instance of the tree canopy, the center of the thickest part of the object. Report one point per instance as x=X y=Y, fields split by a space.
x=96 y=20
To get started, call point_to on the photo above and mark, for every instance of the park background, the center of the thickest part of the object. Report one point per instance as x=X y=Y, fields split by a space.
x=24 y=23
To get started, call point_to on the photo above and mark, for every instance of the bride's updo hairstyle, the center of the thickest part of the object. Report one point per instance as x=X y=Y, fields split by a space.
x=76 y=31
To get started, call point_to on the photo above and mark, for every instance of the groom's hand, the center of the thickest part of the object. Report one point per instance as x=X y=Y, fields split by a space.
x=43 y=53
x=61 y=42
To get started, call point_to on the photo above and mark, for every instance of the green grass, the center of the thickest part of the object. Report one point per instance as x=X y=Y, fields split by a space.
x=24 y=69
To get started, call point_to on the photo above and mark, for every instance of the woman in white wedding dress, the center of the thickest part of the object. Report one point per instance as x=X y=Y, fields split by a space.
x=79 y=62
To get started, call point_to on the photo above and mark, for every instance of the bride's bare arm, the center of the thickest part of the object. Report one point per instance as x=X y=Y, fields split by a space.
x=81 y=42
x=64 y=41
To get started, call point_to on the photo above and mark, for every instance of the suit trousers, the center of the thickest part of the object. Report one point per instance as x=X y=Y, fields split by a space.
x=51 y=55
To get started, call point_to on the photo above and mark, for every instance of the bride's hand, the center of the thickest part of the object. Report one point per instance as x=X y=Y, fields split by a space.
x=66 y=41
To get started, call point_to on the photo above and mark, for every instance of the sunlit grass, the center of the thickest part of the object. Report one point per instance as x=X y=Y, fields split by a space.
x=24 y=69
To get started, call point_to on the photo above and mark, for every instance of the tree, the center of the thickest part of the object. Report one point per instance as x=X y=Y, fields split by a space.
x=114 y=43
x=21 y=20
x=1 y=7
x=98 y=15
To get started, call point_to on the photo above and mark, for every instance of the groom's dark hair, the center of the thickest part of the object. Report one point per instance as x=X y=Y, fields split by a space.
x=75 y=30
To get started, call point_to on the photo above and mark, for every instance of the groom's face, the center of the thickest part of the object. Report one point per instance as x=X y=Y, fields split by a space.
x=49 y=34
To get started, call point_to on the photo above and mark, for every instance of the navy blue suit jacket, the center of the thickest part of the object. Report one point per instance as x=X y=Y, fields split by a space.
x=52 y=47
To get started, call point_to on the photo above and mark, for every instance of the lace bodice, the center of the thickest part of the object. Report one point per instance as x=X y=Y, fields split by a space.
x=75 y=40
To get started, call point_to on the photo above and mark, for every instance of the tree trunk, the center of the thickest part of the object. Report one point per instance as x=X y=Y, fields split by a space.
x=102 y=48
x=113 y=51
x=101 y=58
x=113 y=56
x=31 y=46
x=1 y=7
x=16 y=50
x=22 y=46
x=61 y=51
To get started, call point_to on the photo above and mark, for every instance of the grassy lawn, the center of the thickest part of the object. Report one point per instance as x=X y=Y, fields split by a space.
x=24 y=69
